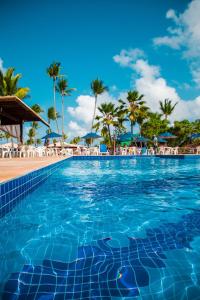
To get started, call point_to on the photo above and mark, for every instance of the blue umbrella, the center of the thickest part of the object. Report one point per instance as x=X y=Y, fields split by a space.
x=195 y=136
x=128 y=136
x=167 y=135
x=51 y=135
x=141 y=139
x=91 y=135
x=162 y=140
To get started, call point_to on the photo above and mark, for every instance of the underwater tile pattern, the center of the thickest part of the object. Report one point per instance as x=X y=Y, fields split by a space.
x=13 y=191
x=101 y=271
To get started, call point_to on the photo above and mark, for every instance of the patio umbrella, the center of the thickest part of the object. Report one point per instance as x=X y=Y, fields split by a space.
x=160 y=140
x=167 y=135
x=141 y=139
x=51 y=135
x=195 y=136
x=91 y=135
x=127 y=143
x=125 y=137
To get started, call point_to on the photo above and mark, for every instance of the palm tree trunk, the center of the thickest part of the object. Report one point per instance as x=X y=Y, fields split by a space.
x=132 y=127
x=54 y=100
x=139 y=125
x=109 y=135
x=95 y=106
x=62 y=115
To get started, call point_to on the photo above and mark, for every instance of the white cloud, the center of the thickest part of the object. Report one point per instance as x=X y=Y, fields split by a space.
x=83 y=112
x=154 y=87
x=1 y=65
x=185 y=35
x=75 y=129
x=127 y=57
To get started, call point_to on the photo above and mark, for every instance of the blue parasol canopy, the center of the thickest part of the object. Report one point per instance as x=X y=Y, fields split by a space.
x=162 y=140
x=195 y=136
x=167 y=135
x=141 y=139
x=128 y=136
x=51 y=135
x=91 y=135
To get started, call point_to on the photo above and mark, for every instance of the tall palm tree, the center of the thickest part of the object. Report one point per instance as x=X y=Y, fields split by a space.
x=36 y=108
x=31 y=135
x=106 y=119
x=53 y=71
x=98 y=88
x=132 y=106
x=167 y=107
x=142 y=116
x=9 y=84
x=121 y=117
x=64 y=90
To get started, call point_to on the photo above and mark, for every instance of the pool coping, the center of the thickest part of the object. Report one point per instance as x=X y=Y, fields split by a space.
x=28 y=172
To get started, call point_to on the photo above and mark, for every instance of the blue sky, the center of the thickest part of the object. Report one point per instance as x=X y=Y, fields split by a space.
x=98 y=38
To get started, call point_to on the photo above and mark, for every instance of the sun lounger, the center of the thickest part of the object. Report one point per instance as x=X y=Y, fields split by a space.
x=103 y=149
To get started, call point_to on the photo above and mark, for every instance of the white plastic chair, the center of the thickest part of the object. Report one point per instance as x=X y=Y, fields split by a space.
x=5 y=152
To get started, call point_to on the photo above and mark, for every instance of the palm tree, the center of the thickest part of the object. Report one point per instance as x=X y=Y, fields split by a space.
x=53 y=71
x=75 y=140
x=132 y=108
x=142 y=115
x=106 y=119
x=64 y=90
x=9 y=84
x=64 y=137
x=7 y=136
x=121 y=117
x=31 y=135
x=98 y=88
x=36 y=108
x=167 y=107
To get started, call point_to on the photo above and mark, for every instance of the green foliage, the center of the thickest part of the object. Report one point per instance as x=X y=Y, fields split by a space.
x=37 y=108
x=183 y=130
x=167 y=107
x=135 y=108
x=53 y=70
x=39 y=141
x=154 y=125
x=75 y=140
x=51 y=114
x=106 y=119
x=9 y=84
x=98 y=88
x=64 y=136
x=63 y=88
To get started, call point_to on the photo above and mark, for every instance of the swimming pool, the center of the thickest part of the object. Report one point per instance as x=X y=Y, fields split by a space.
x=106 y=229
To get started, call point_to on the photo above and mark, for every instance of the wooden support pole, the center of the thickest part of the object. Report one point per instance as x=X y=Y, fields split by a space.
x=21 y=132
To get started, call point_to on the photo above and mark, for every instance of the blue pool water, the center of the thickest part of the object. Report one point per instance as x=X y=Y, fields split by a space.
x=109 y=229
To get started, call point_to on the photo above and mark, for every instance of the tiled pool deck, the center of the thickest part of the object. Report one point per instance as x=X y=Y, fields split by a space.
x=11 y=168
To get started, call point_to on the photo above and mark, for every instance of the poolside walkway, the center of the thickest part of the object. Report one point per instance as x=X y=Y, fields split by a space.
x=10 y=168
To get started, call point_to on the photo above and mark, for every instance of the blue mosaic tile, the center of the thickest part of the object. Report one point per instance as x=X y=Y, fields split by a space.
x=102 y=271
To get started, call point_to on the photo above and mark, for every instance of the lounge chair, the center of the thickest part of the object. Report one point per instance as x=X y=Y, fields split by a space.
x=103 y=149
